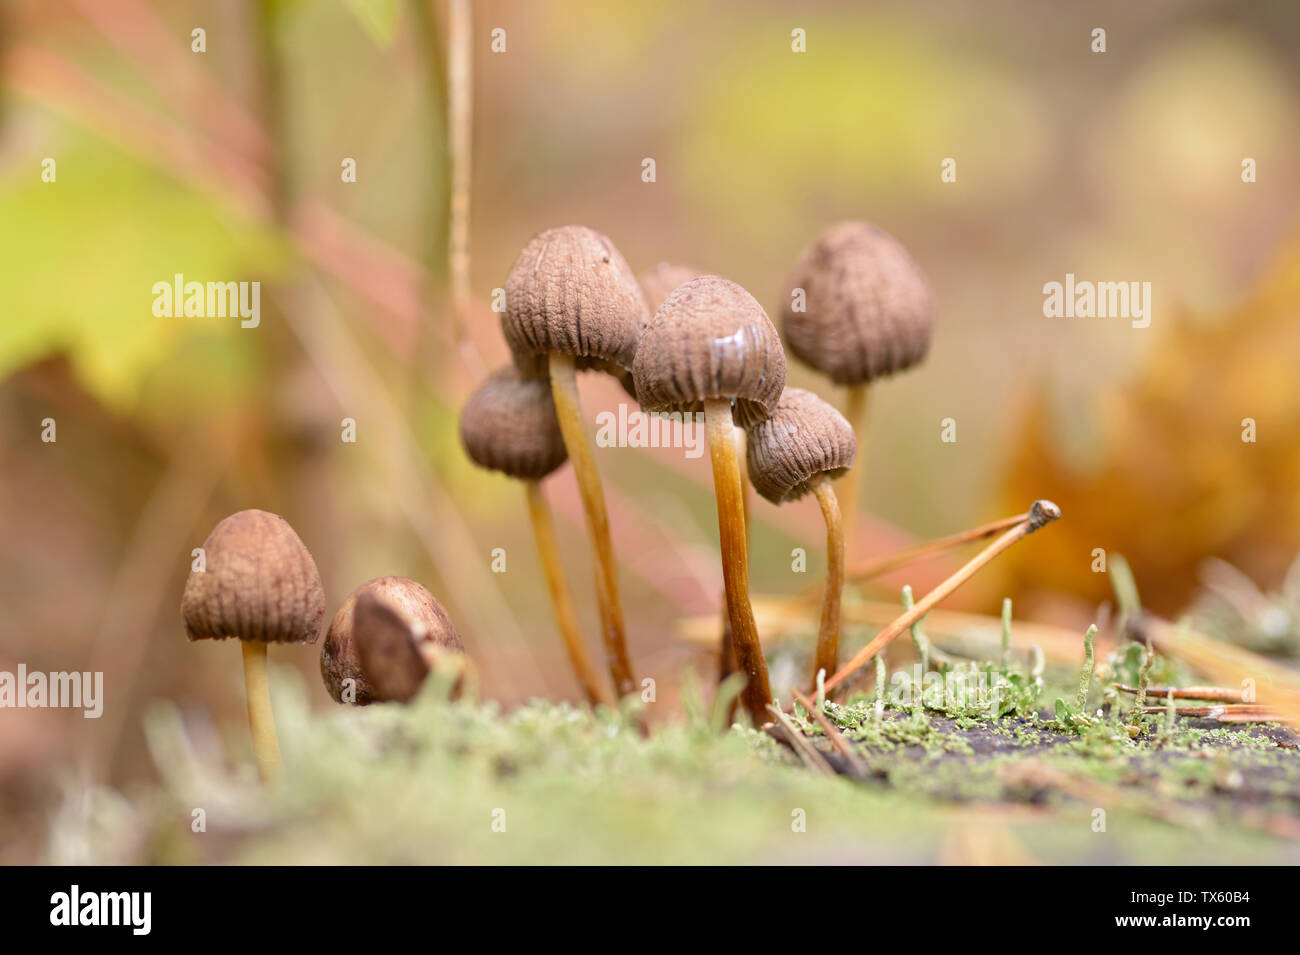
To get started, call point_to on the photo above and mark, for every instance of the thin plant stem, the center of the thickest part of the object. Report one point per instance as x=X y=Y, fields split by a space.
x=1144 y=676
x=868 y=570
x=828 y=634
x=882 y=675
x=1085 y=673
x=1006 y=634
x=735 y=557
x=261 y=720
x=919 y=639
x=855 y=411
x=460 y=93
x=1171 y=715
x=1215 y=694
x=833 y=733
x=883 y=565
x=566 y=618
x=564 y=389
x=805 y=750
x=1041 y=513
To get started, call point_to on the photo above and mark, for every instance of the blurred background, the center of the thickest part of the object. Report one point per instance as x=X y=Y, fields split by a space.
x=225 y=165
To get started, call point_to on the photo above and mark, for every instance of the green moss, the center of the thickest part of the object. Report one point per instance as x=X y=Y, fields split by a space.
x=426 y=783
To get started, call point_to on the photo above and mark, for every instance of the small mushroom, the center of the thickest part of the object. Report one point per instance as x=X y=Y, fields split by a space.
x=801 y=448
x=259 y=584
x=572 y=297
x=866 y=312
x=710 y=347
x=657 y=284
x=384 y=640
x=509 y=425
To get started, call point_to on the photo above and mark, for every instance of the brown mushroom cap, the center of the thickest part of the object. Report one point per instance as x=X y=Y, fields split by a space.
x=868 y=308
x=663 y=279
x=509 y=425
x=710 y=339
x=804 y=437
x=571 y=292
x=423 y=621
x=259 y=583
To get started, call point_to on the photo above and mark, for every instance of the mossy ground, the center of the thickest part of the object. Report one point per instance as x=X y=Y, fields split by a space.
x=463 y=782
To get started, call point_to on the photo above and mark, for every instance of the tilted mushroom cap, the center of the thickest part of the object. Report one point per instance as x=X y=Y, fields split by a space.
x=259 y=582
x=868 y=311
x=396 y=657
x=571 y=292
x=663 y=279
x=509 y=425
x=710 y=339
x=803 y=437
x=421 y=618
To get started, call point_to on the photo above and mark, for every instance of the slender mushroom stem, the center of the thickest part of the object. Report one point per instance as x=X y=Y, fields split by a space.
x=726 y=655
x=566 y=618
x=735 y=557
x=828 y=636
x=564 y=389
x=261 y=721
x=1040 y=514
x=855 y=411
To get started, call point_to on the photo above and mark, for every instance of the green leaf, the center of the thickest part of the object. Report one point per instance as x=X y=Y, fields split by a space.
x=81 y=256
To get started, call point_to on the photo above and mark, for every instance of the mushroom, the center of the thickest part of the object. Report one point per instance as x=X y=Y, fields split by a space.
x=801 y=448
x=260 y=584
x=867 y=312
x=708 y=346
x=509 y=425
x=385 y=639
x=571 y=297
x=656 y=284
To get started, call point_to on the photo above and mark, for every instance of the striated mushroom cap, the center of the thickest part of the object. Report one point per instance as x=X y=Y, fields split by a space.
x=362 y=645
x=662 y=280
x=570 y=291
x=509 y=425
x=710 y=339
x=804 y=437
x=868 y=308
x=259 y=583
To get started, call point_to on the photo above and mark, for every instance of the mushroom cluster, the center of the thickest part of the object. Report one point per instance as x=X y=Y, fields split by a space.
x=679 y=341
x=688 y=342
